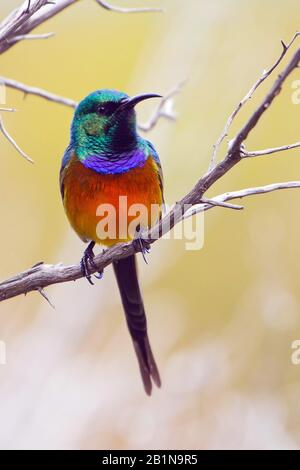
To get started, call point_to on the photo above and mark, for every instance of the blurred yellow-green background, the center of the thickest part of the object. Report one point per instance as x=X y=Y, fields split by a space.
x=221 y=319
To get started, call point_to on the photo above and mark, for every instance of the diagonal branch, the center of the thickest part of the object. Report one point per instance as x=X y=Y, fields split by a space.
x=28 y=21
x=31 y=14
x=41 y=276
x=247 y=97
x=44 y=275
x=19 y=18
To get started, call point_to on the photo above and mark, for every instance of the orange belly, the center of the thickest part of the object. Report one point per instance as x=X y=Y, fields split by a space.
x=108 y=208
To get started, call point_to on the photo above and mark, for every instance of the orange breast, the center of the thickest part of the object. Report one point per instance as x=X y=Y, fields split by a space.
x=107 y=208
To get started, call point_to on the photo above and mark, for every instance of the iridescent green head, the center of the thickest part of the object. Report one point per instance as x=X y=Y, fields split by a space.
x=105 y=123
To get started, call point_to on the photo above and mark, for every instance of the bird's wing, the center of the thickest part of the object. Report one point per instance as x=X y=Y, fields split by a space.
x=155 y=157
x=64 y=164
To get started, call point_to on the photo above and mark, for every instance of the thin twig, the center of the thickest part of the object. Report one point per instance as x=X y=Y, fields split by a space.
x=30 y=90
x=26 y=37
x=23 y=20
x=13 y=142
x=260 y=153
x=229 y=196
x=247 y=97
x=162 y=111
x=17 y=26
x=19 y=18
x=110 y=7
x=29 y=21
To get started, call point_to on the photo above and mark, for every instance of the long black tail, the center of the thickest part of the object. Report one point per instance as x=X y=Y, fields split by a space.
x=126 y=274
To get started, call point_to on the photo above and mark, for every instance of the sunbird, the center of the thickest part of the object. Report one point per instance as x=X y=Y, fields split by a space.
x=107 y=160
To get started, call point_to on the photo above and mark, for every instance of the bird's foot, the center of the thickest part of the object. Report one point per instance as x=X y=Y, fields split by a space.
x=140 y=244
x=88 y=258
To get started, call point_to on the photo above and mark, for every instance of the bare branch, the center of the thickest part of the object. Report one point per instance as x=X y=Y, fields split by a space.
x=163 y=110
x=31 y=14
x=229 y=196
x=18 y=18
x=160 y=112
x=43 y=275
x=17 y=26
x=28 y=19
x=110 y=7
x=260 y=153
x=23 y=37
x=30 y=90
x=247 y=97
x=12 y=141
x=235 y=145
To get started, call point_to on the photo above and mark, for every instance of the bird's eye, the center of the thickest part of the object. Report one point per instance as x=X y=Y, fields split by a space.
x=101 y=109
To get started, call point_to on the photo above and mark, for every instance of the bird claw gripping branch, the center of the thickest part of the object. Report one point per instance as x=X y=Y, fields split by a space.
x=88 y=257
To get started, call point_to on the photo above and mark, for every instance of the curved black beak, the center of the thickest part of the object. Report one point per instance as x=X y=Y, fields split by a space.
x=132 y=102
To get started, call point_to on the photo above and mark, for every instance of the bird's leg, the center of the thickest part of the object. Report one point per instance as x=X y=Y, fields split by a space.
x=140 y=244
x=88 y=257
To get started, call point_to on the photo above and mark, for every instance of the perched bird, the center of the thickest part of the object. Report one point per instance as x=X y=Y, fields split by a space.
x=105 y=161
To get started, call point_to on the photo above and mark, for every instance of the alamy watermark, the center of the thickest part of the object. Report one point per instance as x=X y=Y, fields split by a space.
x=124 y=222
x=296 y=94
x=295 y=356
x=2 y=93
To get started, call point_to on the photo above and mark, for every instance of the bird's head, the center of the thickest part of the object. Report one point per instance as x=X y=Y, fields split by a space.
x=105 y=123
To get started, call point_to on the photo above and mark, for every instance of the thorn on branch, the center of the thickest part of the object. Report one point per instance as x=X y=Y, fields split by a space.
x=28 y=7
x=44 y=295
x=283 y=45
x=39 y=263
